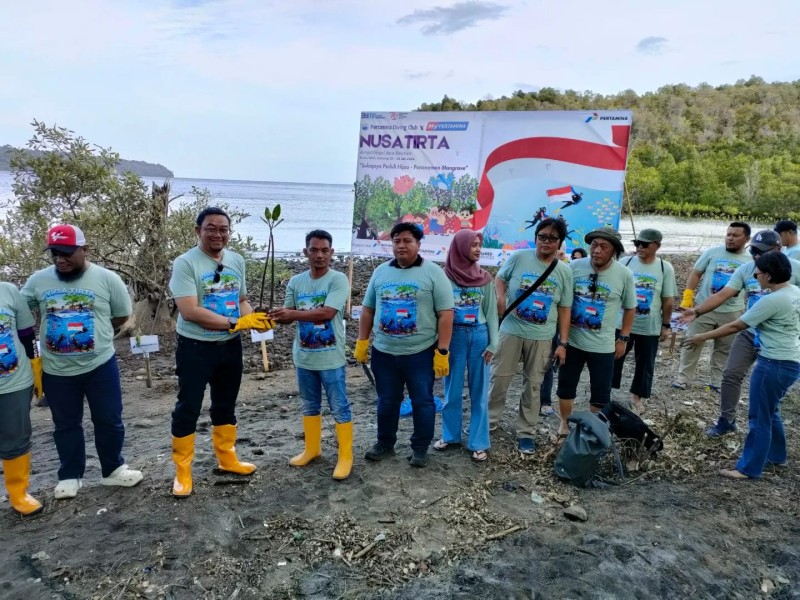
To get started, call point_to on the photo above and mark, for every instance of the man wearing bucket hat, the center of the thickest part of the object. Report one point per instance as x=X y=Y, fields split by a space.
x=710 y=274
x=601 y=287
x=81 y=304
x=655 y=295
x=745 y=346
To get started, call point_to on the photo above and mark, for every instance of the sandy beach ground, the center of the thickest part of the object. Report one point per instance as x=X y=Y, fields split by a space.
x=457 y=529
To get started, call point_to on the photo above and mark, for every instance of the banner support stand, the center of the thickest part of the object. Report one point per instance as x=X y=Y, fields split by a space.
x=630 y=207
x=350 y=285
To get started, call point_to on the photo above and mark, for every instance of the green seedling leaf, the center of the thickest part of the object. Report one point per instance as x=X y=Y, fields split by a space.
x=276 y=212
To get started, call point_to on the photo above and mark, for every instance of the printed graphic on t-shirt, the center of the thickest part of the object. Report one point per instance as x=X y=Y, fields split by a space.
x=467 y=305
x=9 y=361
x=645 y=290
x=221 y=297
x=399 y=308
x=536 y=307
x=315 y=336
x=753 y=292
x=723 y=269
x=589 y=304
x=69 y=322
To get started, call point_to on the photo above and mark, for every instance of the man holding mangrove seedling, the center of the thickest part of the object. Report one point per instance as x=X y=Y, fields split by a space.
x=715 y=267
x=409 y=302
x=316 y=299
x=208 y=284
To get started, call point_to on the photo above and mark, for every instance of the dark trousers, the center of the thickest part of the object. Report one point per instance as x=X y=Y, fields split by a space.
x=546 y=390
x=103 y=392
x=645 y=350
x=600 y=365
x=15 y=423
x=392 y=374
x=216 y=364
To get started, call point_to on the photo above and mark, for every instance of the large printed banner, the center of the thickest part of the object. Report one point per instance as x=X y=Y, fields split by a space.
x=496 y=172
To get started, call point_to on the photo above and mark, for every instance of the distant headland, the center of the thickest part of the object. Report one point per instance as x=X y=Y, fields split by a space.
x=139 y=167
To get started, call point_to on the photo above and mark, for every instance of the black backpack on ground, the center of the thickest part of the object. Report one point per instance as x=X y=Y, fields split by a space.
x=630 y=429
x=584 y=448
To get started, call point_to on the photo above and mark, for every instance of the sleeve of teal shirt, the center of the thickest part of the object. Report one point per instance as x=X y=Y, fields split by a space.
x=28 y=292
x=442 y=290
x=508 y=267
x=338 y=291
x=369 y=295
x=737 y=279
x=119 y=298
x=702 y=262
x=242 y=266
x=629 y=291
x=182 y=282
x=669 y=289
x=568 y=288
x=760 y=312
x=23 y=312
x=489 y=306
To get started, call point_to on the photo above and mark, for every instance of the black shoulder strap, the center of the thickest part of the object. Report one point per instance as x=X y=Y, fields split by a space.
x=630 y=258
x=531 y=289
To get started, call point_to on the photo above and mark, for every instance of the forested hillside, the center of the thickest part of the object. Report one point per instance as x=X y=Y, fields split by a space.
x=729 y=150
x=138 y=167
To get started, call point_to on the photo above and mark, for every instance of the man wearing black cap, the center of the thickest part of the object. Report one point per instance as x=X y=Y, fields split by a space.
x=710 y=274
x=788 y=231
x=601 y=287
x=81 y=304
x=744 y=349
x=655 y=295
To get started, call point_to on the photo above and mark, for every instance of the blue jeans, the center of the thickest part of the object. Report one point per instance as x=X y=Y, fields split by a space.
x=415 y=372
x=466 y=354
x=311 y=384
x=766 y=441
x=102 y=390
x=217 y=365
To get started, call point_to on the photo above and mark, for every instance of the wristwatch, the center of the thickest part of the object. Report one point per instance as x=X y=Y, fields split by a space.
x=443 y=351
x=666 y=325
x=623 y=338
x=562 y=344
x=233 y=321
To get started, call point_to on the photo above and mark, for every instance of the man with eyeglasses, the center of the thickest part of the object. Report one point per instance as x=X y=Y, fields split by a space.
x=209 y=286
x=81 y=304
x=527 y=333
x=712 y=272
x=745 y=344
x=602 y=287
x=655 y=294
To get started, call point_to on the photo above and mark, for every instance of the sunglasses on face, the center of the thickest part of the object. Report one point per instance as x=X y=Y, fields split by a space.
x=755 y=251
x=641 y=244
x=542 y=237
x=218 y=272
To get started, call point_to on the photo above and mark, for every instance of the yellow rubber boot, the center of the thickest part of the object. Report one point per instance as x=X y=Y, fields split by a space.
x=17 y=474
x=344 y=434
x=182 y=455
x=224 y=438
x=312 y=428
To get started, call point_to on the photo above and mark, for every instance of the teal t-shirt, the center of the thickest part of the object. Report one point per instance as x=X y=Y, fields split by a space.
x=15 y=368
x=475 y=305
x=405 y=302
x=193 y=274
x=596 y=304
x=76 y=331
x=318 y=346
x=717 y=266
x=793 y=252
x=536 y=317
x=776 y=318
x=653 y=282
x=743 y=279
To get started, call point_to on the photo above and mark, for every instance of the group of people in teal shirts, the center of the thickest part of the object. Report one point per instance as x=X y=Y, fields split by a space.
x=419 y=321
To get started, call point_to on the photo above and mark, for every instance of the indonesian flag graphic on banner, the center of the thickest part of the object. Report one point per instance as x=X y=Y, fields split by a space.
x=74 y=327
x=562 y=194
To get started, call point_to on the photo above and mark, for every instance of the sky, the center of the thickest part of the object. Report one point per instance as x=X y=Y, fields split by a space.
x=273 y=90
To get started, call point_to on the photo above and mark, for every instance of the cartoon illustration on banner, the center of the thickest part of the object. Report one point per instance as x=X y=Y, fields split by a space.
x=497 y=172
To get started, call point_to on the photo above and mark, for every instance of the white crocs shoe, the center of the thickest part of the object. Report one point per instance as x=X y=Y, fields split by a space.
x=123 y=476
x=67 y=488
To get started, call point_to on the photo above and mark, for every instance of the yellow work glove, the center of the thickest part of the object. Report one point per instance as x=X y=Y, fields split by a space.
x=256 y=320
x=36 y=367
x=360 y=353
x=688 y=299
x=441 y=364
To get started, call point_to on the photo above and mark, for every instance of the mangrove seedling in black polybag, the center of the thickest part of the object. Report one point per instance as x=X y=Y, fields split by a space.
x=272 y=219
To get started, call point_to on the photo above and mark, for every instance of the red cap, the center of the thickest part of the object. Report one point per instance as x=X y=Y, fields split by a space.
x=65 y=238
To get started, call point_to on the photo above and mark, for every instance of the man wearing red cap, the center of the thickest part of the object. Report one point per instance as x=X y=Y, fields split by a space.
x=81 y=304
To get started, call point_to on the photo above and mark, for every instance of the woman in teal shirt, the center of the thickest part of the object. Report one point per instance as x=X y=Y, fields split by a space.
x=776 y=317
